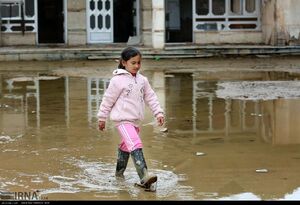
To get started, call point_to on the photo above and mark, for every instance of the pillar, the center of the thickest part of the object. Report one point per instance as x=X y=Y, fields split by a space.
x=158 y=24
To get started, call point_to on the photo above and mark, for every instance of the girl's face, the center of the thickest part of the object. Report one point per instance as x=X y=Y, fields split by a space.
x=133 y=65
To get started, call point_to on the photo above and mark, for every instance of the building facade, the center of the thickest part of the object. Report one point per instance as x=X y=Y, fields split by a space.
x=152 y=23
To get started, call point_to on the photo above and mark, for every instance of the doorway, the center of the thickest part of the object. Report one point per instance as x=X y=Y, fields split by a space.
x=112 y=21
x=124 y=20
x=50 y=21
x=179 y=21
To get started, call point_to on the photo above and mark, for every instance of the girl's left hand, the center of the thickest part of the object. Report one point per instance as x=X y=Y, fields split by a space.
x=101 y=125
x=160 y=120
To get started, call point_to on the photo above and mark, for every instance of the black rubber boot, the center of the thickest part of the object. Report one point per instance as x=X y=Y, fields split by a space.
x=141 y=168
x=121 y=163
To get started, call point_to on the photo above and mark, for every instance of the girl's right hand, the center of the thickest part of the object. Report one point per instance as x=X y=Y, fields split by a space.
x=101 y=125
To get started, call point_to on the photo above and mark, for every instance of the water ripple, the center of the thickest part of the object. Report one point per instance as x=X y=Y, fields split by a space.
x=99 y=177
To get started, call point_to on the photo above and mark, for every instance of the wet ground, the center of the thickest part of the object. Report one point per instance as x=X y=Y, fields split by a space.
x=233 y=131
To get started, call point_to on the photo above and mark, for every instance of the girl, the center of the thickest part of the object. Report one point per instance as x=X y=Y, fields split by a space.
x=124 y=100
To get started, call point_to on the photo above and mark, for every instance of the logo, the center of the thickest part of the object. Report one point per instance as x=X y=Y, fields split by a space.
x=21 y=195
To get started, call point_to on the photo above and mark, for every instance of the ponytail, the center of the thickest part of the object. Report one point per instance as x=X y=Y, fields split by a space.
x=120 y=66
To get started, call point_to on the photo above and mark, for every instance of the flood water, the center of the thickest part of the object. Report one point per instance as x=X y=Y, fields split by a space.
x=231 y=136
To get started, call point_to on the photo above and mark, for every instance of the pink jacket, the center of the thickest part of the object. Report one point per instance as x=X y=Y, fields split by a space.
x=125 y=98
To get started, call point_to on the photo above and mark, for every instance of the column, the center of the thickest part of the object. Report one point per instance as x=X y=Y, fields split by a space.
x=158 y=24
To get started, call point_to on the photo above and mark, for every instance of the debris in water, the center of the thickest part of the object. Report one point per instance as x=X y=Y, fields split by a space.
x=200 y=154
x=261 y=170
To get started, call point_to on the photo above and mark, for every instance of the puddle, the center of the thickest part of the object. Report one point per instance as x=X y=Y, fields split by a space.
x=220 y=128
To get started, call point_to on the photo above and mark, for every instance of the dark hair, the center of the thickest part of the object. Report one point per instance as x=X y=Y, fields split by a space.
x=128 y=53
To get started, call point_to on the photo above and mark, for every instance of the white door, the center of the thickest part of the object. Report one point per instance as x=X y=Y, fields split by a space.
x=99 y=21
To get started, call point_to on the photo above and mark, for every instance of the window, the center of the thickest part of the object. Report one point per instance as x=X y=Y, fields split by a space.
x=218 y=7
x=10 y=10
x=17 y=15
x=29 y=8
x=238 y=8
x=226 y=15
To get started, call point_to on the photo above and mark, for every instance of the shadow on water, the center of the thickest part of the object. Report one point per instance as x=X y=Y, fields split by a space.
x=231 y=136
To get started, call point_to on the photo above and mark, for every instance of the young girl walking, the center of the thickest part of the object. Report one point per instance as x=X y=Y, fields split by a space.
x=124 y=100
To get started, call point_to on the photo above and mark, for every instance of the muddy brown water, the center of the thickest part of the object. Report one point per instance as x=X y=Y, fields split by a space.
x=238 y=147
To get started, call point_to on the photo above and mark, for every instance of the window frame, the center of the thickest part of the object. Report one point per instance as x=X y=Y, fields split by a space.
x=11 y=23
x=228 y=20
x=8 y=5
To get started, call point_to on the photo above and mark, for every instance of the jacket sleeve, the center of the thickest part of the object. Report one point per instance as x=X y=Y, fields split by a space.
x=109 y=98
x=152 y=100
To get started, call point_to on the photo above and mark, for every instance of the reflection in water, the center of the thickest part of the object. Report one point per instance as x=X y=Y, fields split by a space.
x=224 y=116
x=50 y=141
x=96 y=88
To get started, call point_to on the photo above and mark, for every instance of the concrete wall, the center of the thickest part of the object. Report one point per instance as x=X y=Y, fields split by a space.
x=12 y=39
x=288 y=20
x=228 y=37
x=280 y=22
x=268 y=10
x=76 y=22
x=146 y=22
